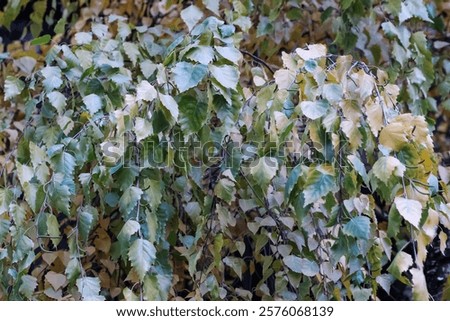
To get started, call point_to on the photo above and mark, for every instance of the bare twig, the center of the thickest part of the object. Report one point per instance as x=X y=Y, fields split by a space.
x=259 y=60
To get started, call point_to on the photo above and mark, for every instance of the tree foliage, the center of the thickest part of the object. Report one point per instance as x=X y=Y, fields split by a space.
x=170 y=159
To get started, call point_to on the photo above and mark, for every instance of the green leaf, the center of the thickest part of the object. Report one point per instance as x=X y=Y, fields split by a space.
x=227 y=76
x=386 y=166
x=191 y=16
x=34 y=195
x=29 y=283
x=171 y=105
x=314 y=109
x=13 y=87
x=6 y=197
x=18 y=213
x=154 y=192
x=187 y=75
x=24 y=245
x=142 y=254
x=263 y=170
x=236 y=264
x=193 y=114
x=157 y=287
x=63 y=163
x=129 y=200
x=60 y=197
x=320 y=182
x=301 y=265
x=43 y=40
x=87 y=218
x=132 y=51
x=53 y=229
x=128 y=229
x=358 y=165
x=225 y=190
x=93 y=103
x=292 y=181
x=411 y=210
x=89 y=287
x=4 y=229
x=358 y=227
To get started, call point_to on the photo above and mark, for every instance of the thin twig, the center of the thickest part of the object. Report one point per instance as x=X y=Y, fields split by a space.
x=259 y=60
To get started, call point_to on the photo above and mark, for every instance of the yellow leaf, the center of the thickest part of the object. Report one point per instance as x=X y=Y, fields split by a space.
x=374 y=116
x=393 y=136
x=422 y=242
x=390 y=94
x=431 y=224
x=420 y=291
x=443 y=241
x=351 y=110
x=418 y=193
x=353 y=134
x=365 y=83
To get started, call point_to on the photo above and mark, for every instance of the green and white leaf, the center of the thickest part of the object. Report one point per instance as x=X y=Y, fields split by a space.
x=227 y=76
x=400 y=264
x=170 y=103
x=358 y=227
x=413 y=8
x=129 y=199
x=83 y=38
x=93 y=103
x=53 y=229
x=142 y=254
x=29 y=283
x=410 y=210
x=187 y=75
x=314 y=109
x=193 y=114
x=145 y=91
x=4 y=228
x=320 y=182
x=230 y=53
x=191 y=16
x=89 y=287
x=263 y=170
x=18 y=213
x=301 y=265
x=132 y=51
x=386 y=166
x=6 y=198
x=57 y=100
x=212 y=5
x=53 y=78
x=201 y=54
x=13 y=87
